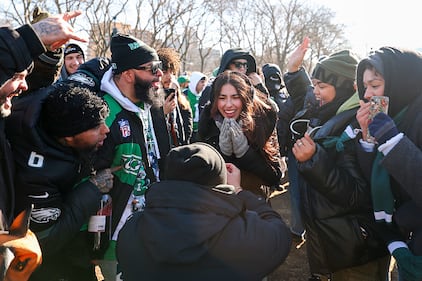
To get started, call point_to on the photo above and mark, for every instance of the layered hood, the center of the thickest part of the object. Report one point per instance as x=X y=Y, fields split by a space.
x=237 y=53
x=402 y=72
x=182 y=220
x=195 y=77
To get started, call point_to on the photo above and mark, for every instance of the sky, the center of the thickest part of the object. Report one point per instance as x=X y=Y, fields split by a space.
x=376 y=23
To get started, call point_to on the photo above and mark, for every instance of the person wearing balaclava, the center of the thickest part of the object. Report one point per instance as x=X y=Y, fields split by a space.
x=199 y=224
x=138 y=139
x=393 y=162
x=335 y=196
x=278 y=92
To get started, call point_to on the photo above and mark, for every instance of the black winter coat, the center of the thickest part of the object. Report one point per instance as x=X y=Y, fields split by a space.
x=253 y=162
x=336 y=207
x=191 y=232
x=47 y=176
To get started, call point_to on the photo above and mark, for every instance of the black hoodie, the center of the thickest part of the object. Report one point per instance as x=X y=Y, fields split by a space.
x=228 y=56
x=190 y=231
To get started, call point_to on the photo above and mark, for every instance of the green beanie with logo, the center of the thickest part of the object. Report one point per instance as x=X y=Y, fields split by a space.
x=337 y=69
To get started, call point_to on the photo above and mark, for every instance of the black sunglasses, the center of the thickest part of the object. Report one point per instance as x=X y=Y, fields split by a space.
x=154 y=67
x=240 y=64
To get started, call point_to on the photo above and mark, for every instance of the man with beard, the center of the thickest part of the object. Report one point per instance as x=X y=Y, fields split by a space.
x=138 y=139
x=54 y=133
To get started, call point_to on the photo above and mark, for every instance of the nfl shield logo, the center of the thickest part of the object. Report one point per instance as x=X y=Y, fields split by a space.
x=124 y=128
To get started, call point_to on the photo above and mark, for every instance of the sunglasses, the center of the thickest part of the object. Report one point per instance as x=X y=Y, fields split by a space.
x=240 y=64
x=154 y=67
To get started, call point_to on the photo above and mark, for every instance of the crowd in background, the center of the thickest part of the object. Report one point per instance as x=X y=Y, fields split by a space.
x=126 y=165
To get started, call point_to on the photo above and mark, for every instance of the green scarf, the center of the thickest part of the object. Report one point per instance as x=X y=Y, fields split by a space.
x=382 y=196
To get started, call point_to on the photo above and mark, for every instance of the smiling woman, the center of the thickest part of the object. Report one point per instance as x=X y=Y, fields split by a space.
x=240 y=123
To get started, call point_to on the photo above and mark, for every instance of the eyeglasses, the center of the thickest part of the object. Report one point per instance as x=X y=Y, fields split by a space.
x=154 y=67
x=238 y=64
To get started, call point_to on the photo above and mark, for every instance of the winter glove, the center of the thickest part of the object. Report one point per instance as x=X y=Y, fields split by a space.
x=224 y=140
x=382 y=128
x=22 y=248
x=104 y=179
x=410 y=266
x=240 y=142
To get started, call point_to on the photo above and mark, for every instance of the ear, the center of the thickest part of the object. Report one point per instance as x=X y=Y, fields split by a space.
x=67 y=141
x=129 y=75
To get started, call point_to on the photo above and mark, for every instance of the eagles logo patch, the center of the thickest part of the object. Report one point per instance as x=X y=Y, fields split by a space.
x=45 y=215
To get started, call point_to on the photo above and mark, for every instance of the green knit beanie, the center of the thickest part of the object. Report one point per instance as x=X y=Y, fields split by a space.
x=337 y=69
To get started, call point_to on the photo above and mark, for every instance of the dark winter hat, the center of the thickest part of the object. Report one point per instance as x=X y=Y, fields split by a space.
x=71 y=109
x=337 y=69
x=197 y=162
x=128 y=52
x=72 y=49
x=90 y=73
x=16 y=57
x=272 y=75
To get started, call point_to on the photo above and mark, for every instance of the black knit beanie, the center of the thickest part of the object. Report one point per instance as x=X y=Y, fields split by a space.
x=337 y=69
x=71 y=109
x=197 y=162
x=72 y=49
x=16 y=58
x=129 y=52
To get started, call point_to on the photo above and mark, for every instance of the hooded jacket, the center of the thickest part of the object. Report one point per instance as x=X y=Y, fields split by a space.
x=194 y=97
x=18 y=48
x=402 y=70
x=228 y=56
x=192 y=229
x=126 y=146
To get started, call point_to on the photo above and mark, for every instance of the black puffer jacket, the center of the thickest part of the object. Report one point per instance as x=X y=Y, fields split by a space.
x=335 y=202
x=47 y=175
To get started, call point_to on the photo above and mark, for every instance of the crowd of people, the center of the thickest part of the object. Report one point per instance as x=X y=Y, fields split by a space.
x=128 y=166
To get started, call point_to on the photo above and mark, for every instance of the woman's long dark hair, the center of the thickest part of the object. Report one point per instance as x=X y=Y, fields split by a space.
x=258 y=116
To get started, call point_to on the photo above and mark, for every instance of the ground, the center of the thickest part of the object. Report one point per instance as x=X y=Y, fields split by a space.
x=295 y=267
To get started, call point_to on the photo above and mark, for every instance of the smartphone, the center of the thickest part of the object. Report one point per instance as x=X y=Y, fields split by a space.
x=170 y=91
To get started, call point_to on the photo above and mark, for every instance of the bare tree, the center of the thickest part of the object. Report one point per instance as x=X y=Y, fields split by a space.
x=270 y=29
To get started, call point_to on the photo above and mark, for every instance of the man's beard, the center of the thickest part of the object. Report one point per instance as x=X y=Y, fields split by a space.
x=142 y=90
